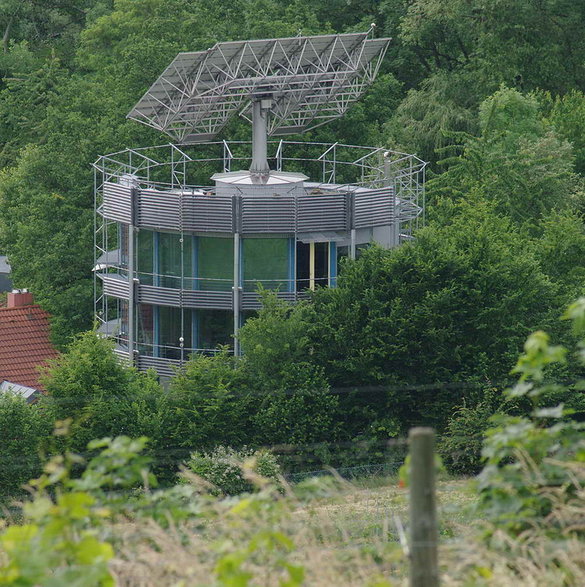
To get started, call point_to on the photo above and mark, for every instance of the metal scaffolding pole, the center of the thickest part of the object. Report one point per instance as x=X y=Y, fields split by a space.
x=131 y=290
x=236 y=293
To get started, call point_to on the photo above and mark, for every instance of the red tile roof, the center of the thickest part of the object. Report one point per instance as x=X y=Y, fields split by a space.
x=24 y=344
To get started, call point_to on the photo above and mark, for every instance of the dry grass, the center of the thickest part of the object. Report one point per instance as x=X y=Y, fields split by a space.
x=349 y=538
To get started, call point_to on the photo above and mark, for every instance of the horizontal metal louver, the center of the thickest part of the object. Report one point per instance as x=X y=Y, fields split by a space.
x=115 y=285
x=164 y=367
x=167 y=296
x=251 y=301
x=158 y=209
x=165 y=210
x=207 y=213
x=268 y=214
x=117 y=202
x=321 y=212
x=160 y=296
x=374 y=208
x=213 y=300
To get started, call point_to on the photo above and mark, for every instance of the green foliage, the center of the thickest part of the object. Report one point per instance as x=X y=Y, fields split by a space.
x=299 y=409
x=209 y=403
x=429 y=114
x=56 y=543
x=567 y=116
x=23 y=432
x=534 y=462
x=531 y=45
x=462 y=443
x=88 y=370
x=228 y=470
x=452 y=306
x=518 y=162
x=102 y=397
x=561 y=251
x=277 y=337
x=292 y=400
x=72 y=527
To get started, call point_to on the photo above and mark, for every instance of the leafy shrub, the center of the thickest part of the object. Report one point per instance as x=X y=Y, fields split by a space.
x=57 y=542
x=23 y=427
x=461 y=445
x=225 y=468
x=534 y=463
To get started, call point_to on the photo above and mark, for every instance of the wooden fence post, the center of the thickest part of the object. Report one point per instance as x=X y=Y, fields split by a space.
x=424 y=570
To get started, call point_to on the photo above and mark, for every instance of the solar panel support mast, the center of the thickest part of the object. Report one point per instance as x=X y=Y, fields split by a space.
x=260 y=111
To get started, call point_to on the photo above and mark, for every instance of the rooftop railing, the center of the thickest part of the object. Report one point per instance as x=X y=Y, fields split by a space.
x=189 y=167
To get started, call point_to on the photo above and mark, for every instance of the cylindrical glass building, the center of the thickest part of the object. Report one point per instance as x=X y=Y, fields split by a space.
x=187 y=233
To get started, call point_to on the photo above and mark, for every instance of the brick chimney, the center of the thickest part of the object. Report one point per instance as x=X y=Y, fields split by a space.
x=18 y=298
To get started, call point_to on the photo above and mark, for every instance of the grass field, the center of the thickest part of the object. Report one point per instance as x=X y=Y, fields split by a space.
x=349 y=536
x=373 y=509
x=326 y=532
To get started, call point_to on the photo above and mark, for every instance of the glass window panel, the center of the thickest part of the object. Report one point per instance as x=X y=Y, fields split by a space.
x=303 y=262
x=169 y=247
x=171 y=328
x=215 y=263
x=266 y=261
x=169 y=255
x=216 y=327
x=145 y=337
x=188 y=262
x=145 y=256
x=321 y=264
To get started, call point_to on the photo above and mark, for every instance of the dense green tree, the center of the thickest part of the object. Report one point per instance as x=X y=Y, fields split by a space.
x=561 y=252
x=451 y=307
x=518 y=161
x=276 y=338
x=209 y=404
x=24 y=430
x=52 y=25
x=102 y=396
x=290 y=395
x=532 y=45
x=566 y=113
x=299 y=410
x=426 y=119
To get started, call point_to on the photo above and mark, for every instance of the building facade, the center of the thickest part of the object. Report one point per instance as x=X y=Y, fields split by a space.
x=187 y=234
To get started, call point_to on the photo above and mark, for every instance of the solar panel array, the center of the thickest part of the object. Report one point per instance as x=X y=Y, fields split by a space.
x=310 y=80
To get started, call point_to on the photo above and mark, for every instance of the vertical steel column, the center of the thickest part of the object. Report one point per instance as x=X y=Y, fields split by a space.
x=236 y=293
x=350 y=221
x=131 y=297
x=237 y=225
x=132 y=272
x=352 y=246
x=260 y=109
x=389 y=180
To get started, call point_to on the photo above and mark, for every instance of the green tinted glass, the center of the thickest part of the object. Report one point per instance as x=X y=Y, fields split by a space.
x=171 y=328
x=145 y=256
x=170 y=257
x=266 y=261
x=215 y=263
x=216 y=327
